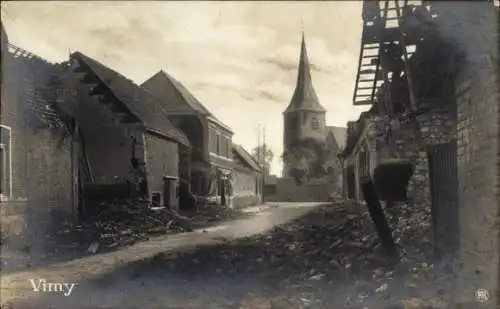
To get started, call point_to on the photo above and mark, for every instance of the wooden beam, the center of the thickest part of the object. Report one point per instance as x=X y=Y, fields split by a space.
x=378 y=218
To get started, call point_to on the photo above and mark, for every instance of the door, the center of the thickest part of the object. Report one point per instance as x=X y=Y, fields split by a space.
x=222 y=184
x=351 y=183
x=444 y=197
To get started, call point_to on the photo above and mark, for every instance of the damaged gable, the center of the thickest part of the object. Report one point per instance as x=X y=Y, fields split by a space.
x=129 y=100
x=34 y=74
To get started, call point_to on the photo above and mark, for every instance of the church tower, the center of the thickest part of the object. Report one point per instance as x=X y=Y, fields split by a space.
x=304 y=117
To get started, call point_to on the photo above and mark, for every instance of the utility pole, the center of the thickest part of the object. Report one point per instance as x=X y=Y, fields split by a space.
x=258 y=145
x=264 y=149
x=264 y=176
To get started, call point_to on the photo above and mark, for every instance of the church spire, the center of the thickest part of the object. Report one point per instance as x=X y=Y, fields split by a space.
x=304 y=96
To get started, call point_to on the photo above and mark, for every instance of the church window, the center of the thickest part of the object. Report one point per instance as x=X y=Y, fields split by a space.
x=293 y=123
x=315 y=123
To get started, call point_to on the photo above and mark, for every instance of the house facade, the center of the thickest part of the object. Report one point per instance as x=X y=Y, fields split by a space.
x=212 y=159
x=37 y=148
x=247 y=180
x=131 y=147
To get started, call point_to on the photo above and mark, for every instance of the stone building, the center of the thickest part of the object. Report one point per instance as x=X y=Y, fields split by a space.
x=212 y=159
x=37 y=148
x=444 y=120
x=247 y=180
x=304 y=121
x=307 y=138
x=129 y=141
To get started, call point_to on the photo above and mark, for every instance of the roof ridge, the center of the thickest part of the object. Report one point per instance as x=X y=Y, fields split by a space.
x=135 y=98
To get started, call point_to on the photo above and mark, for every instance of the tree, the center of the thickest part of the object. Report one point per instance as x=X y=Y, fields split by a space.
x=264 y=155
x=306 y=158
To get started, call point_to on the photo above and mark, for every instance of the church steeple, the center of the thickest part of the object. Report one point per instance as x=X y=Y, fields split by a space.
x=304 y=96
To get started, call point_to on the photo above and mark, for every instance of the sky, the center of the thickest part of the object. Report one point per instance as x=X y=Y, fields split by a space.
x=240 y=59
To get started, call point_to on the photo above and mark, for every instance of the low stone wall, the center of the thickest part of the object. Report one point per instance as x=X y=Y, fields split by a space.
x=246 y=200
x=288 y=190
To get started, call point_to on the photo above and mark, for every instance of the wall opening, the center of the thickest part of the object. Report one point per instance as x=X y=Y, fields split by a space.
x=156 y=199
x=351 y=182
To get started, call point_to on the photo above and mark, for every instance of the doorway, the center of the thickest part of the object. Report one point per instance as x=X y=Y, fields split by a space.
x=351 y=182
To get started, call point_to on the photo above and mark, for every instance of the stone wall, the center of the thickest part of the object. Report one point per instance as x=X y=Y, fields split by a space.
x=381 y=144
x=287 y=190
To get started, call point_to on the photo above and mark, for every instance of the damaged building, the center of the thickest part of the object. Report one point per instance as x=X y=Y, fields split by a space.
x=431 y=82
x=38 y=147
x=211 y=159
x=131 y=149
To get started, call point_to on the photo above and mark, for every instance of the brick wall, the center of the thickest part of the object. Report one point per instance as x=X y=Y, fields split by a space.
x=12 y=116
x=473 y=28
x=50 y=182
x=42 y=190
x=162 y=159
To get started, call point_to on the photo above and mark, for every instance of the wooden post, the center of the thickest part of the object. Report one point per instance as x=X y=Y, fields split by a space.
x=378 y=217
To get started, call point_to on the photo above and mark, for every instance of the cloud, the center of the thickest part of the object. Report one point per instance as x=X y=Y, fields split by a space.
x=282 y=64
x=238 y=58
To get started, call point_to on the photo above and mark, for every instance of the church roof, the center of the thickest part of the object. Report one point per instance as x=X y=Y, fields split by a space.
x=304 y=96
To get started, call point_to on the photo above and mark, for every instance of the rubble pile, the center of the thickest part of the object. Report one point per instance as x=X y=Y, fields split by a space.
x=126 y=221
x=330 y=256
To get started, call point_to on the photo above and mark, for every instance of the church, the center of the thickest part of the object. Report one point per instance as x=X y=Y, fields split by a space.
x=306 y=136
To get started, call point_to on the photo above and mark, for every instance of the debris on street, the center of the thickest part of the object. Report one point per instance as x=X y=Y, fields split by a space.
x=330 y=256
x=123 y=222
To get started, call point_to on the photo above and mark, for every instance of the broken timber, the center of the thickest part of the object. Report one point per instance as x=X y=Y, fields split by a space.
x=378 y=217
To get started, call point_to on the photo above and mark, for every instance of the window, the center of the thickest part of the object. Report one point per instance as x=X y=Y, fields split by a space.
x=218 y=145
x=315 y=123
x=156 y=199
x=5 y=162
x=293 y=123
x=213 y=137
x=228 y=148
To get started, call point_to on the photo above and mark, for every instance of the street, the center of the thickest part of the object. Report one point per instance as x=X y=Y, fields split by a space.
x=285 y=256
x=90 y=293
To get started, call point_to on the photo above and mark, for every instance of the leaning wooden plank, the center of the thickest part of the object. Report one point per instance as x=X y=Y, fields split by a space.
x=378 y=217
